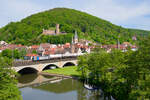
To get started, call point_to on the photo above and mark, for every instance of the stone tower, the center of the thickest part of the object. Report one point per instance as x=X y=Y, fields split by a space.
x=57 y=29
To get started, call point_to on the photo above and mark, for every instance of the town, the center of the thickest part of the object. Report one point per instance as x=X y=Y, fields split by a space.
x=76 y=48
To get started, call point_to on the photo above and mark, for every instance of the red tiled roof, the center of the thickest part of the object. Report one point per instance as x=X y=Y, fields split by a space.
x=34 y=47
x=45 y=45
x=3 y=48
x=49 y=52
x=122 y=47
x=133 y=46
x=67 y=44
x=126 y=43
x=31 y=55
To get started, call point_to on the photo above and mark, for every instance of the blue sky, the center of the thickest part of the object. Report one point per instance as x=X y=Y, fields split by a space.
x=126 y=13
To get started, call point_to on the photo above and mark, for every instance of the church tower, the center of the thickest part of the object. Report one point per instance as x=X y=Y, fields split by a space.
x=72 y=40
x=76 y=37
x=57 y=29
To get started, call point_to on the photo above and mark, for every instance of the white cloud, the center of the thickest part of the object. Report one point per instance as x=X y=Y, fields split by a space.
x=15 y=10
x=139 y=23
x=112 y=11
x=118 y=13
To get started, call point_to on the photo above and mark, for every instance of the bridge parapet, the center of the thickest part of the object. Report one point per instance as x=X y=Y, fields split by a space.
x=30 y=62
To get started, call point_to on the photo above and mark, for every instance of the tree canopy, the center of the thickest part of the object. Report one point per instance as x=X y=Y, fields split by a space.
x=123 y=75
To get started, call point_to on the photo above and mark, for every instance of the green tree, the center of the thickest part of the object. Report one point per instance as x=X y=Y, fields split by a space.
x=8 y=83
x=124 y=75
x=23 y=52
x=34 y=52
x=16 y=54
x=12 y=54
x=139 y=62
x=7 y=53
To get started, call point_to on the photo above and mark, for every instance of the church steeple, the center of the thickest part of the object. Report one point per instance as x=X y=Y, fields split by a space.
x=76 y=37
x=72 y=40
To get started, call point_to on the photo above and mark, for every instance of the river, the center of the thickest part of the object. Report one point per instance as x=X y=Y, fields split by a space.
x=61 y=89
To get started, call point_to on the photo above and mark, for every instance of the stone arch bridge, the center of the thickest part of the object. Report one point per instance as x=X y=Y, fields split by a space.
x=39 y=66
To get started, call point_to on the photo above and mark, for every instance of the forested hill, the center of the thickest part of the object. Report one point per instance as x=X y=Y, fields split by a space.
x=28 y=31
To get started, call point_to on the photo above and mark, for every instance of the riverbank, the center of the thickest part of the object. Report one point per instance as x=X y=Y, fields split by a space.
x=56 y=74
x=70 y=71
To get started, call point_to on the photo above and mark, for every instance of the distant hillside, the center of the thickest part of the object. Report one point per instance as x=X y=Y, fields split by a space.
x=28 y=31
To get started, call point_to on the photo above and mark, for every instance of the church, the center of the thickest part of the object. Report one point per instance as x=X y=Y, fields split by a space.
x=75 y=39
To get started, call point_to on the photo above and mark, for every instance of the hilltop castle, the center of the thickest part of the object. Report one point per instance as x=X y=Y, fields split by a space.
x=52 y=31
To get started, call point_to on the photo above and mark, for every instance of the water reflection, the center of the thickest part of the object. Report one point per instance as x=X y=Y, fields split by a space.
x=67 y=89
x=47 y=76
x=28 y=78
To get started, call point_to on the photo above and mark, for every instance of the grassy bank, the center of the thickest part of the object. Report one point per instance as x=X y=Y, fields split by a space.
x=69 y=71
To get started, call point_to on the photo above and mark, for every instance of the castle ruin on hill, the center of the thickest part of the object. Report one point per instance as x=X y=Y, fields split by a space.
x=53 y=31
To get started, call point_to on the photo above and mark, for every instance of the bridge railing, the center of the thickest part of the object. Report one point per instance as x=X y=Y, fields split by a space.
x=30 y=62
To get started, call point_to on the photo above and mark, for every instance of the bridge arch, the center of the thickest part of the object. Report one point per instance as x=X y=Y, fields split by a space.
x=38 y=67
x=69 y=64
x=50 y=66
x=27 y=70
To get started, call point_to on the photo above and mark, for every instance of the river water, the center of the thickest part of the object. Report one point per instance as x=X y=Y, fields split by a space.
x=61 y=89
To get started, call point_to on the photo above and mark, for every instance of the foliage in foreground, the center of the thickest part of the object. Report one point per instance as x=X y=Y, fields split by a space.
x=8 y=83
x=125 y=76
